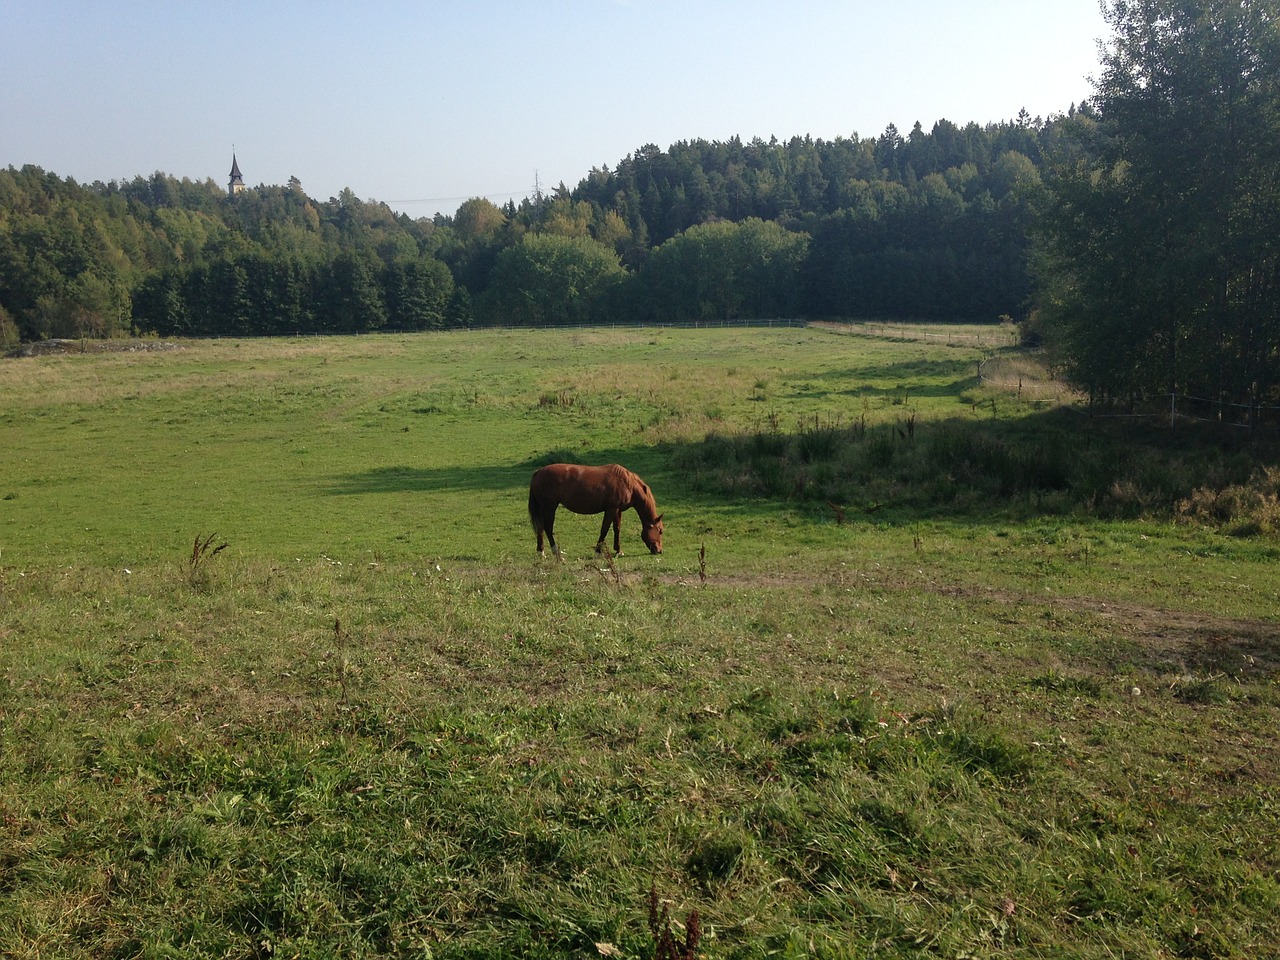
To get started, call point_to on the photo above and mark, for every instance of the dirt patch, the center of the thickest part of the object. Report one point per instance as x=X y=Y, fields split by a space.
x=1173 y=640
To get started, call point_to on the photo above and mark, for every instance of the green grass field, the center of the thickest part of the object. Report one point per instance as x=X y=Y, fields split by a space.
x=926 y=668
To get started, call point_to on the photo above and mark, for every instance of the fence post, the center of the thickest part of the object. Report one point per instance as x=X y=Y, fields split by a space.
x=1173 y=409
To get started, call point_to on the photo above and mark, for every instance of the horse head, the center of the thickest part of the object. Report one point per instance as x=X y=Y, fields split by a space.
x=651 y=534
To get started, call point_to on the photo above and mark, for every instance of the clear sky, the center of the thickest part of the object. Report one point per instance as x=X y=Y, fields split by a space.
x=424 y=104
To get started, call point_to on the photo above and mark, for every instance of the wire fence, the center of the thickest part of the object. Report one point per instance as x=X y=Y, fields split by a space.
x=964 y=336
x=1166 y=409
x=1026 y=386
x=1175 y=408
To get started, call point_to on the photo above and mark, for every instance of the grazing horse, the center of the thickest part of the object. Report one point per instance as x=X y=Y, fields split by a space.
x=609 y=489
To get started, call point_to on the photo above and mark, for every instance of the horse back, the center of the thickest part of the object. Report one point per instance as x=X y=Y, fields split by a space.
x=584 y=489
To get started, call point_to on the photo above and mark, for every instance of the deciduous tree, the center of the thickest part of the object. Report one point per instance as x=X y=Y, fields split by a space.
x=550 y=279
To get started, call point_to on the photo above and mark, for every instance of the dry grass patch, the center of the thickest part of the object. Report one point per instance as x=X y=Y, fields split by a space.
x=1025 y=376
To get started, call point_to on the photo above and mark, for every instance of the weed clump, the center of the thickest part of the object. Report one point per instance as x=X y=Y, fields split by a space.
x=669 y=945
x=1199 y=690
x=201 y=551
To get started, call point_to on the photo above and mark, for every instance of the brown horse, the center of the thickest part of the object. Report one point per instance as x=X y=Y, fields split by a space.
x=609 y=489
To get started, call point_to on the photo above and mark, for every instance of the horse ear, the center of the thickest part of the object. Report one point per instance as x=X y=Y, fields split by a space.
x=659 y=518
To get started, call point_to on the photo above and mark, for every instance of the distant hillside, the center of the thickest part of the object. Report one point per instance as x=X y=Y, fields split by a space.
x=930 y=225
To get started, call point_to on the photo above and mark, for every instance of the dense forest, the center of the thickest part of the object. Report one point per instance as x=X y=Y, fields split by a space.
x=1137 y=233
x=934 y=224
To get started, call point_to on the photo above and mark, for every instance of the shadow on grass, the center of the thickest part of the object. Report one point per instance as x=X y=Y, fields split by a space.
x=668 y=467
x=398 y=479
x=916 y=378
x=490 y=478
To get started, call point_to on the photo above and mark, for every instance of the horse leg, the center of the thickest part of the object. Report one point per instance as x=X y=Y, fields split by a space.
x=611 y=518
x=535 y=520
x=548 y=522
x=604 y=532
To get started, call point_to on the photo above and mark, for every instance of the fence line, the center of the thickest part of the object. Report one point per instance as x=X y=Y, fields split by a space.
x=1179 y=410
x=1005 y=385
x=908 y=332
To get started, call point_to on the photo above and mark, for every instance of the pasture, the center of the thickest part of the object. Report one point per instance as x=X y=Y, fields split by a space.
x=925 y=667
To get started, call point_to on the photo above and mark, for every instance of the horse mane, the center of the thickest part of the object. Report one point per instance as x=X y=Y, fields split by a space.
x=642 y=496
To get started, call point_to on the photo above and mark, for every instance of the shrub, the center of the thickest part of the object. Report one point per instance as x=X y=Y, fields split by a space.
x=1243 y=509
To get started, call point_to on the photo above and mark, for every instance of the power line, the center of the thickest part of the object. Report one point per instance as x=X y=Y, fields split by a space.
x=513 y=193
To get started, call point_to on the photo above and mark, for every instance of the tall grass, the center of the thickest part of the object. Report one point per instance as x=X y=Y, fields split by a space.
x=1063 y=465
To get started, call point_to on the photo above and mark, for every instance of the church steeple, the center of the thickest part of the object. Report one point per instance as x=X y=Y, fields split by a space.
x=236 y=184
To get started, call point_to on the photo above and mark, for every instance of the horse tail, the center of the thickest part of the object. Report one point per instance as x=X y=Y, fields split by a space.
x=535 y=513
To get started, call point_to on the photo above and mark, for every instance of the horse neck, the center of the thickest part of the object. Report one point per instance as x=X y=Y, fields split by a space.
x=643 y=503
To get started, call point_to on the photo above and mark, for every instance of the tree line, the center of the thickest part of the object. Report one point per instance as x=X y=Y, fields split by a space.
x=1136 y=234
x=702 y=230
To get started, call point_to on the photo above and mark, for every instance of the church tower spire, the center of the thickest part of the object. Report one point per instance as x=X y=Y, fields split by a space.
x=236 y=184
